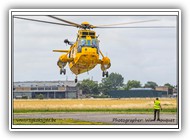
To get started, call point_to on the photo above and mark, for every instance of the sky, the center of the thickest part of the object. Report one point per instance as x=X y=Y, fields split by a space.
x=136 y=53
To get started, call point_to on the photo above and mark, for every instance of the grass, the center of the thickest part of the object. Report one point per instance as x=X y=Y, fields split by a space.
x=132 y=105
x=51 y=121
x=129 y=111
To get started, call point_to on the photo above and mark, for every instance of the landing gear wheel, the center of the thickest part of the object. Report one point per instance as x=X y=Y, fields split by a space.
x=62 y=71
x=106 y=74
x=103 y=74
x=76 y=80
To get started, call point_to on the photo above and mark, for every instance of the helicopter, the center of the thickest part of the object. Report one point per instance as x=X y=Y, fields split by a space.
x=84 y=54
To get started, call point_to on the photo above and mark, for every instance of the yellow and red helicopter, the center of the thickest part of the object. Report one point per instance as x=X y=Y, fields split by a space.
x=84 y=54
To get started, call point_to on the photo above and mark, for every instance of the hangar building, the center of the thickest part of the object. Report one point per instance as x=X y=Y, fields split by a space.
x=48 y=89
x=137 y=93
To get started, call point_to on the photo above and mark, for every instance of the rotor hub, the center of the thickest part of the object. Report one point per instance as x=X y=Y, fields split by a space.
x=86 y=25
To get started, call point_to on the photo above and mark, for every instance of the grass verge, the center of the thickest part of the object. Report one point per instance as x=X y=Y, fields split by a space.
x=52 y=121
x=170 y=110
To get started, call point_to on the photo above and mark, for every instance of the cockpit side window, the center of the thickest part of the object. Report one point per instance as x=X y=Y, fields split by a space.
x=83 y=42
x=94 y=43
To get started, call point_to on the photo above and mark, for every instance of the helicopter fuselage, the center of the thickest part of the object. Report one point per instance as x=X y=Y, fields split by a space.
x=84 y=61
x=84 y=54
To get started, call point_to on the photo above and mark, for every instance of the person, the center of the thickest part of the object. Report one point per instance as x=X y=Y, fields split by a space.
x=157 y=108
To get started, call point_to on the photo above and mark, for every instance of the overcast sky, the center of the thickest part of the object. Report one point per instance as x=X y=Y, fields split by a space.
x=137 y=53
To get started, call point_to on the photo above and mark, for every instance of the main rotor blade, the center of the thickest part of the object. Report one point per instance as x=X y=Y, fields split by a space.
x=65 y=51
x=138 y=27
x=72 y=23
x=116 y=24
x=44 y=21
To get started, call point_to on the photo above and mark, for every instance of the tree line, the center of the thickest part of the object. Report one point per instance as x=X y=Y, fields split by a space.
x=115 y=81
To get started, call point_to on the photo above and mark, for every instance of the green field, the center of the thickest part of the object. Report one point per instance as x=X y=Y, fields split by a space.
x=130 y=111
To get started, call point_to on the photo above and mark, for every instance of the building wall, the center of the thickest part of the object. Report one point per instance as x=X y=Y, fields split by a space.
x=136 y=93
x=49 y=89
x=49 y=95
x=22 y=94
x=164 y=88
x=71 y=95
x=22 y=88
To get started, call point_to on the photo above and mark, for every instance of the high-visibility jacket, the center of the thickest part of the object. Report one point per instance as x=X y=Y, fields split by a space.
x=156 y=104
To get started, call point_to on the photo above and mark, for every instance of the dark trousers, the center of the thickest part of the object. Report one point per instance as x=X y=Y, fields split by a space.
x=157 y=111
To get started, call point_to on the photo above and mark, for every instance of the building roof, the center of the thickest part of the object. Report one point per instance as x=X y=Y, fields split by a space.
x=44 y=83
x=141 y=89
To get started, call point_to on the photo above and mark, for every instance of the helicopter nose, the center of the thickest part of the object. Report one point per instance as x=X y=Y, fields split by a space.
x=88 y=50
x=90 y=54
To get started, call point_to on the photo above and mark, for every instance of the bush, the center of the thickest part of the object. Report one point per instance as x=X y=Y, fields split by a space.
x=100 y=96
x=40 y=96
x=24 y=97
